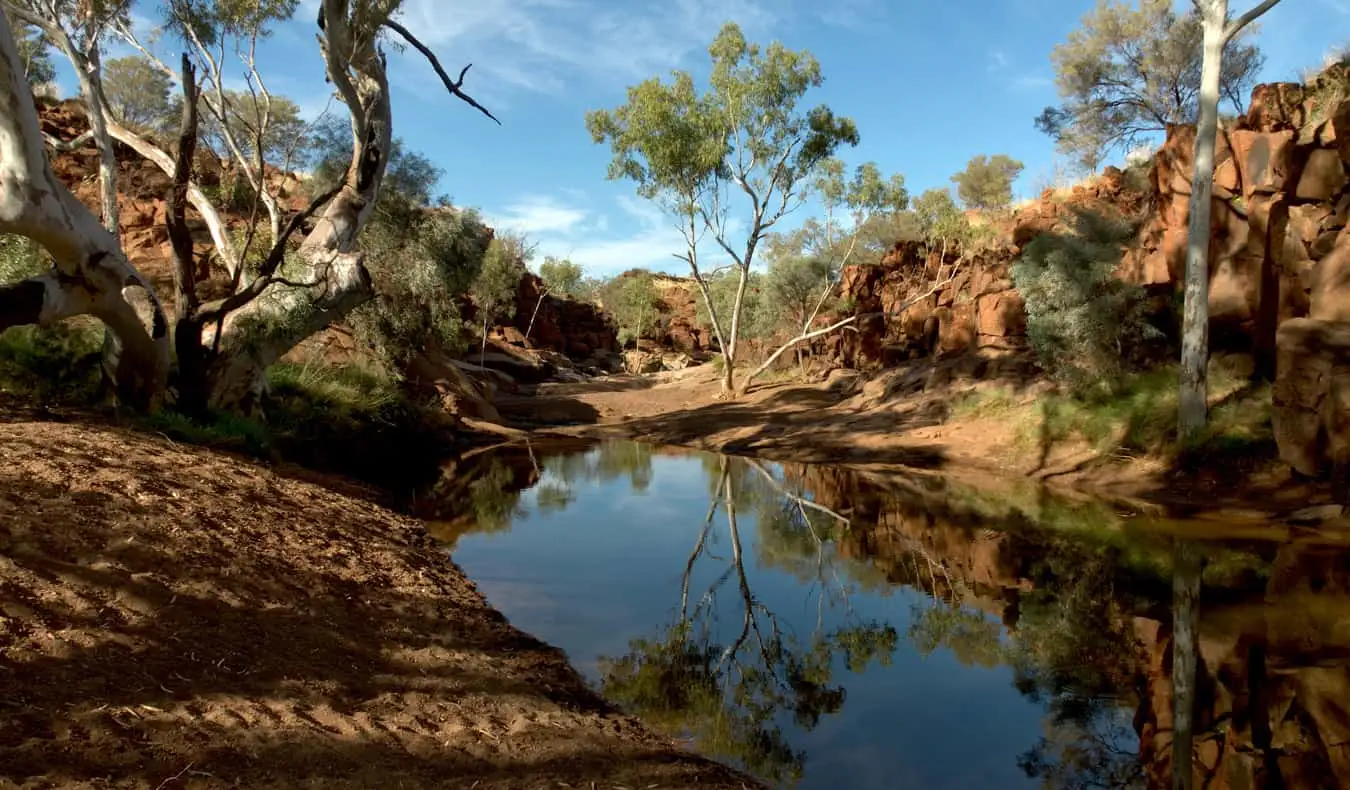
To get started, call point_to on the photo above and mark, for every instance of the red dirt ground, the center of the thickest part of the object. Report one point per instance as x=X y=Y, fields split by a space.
x=173 y=618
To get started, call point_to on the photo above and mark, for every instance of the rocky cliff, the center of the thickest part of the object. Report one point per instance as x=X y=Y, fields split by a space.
x=1279 y=263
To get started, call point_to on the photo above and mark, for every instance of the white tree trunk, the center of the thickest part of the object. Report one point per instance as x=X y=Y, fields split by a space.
x=332 y=276
x=729 y=352
x=90 y=271
x=1194 y=386
x=220 y=236
x=1193 y=392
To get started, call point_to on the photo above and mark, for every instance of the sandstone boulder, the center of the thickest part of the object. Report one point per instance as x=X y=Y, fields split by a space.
x=1311 y=396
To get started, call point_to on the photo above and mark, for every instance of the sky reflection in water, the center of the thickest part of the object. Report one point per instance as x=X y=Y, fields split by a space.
x=841 y=630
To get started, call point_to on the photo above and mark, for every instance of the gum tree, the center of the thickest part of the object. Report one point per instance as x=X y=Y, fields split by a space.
x=743 y=141
x=1193 y=387
x=224 y=345
x=864 y=197
x=1129 y=71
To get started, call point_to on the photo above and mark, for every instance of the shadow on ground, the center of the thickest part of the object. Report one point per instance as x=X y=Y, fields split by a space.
x=174 y=618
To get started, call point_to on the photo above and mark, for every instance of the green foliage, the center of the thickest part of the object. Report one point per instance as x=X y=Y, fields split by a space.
x=53 y=364
x=759 y=314
x=139 y=94
x=561 y=276
x=420 y=273
x=939 y=221
x=214 y=21
x=986 y=183
x=494 y=289
x=632 y=300
x=1328 y=87
x=20 y=258
x=1085 y=325
x=35 y=52
x=1130 y=70
x=795 y=285
x=268 y=127
x=217 y=430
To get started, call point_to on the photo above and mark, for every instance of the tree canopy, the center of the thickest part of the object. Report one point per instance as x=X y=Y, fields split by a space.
x=987 y=181
x=1130 y=70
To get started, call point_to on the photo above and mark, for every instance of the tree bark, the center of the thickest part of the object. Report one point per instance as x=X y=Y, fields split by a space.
x=1191 y=412
x=332 y=279
x=90 y=271
x=220 y=236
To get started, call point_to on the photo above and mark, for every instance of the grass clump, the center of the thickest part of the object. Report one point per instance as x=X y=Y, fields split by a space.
x=1135 y=416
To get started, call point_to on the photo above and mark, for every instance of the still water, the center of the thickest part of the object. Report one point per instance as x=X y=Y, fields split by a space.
x=824 y=628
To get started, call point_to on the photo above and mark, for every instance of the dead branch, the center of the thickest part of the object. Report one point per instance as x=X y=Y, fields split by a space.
x=804 y=336
x=454 y=86
x=64 y=146
x=180 y=238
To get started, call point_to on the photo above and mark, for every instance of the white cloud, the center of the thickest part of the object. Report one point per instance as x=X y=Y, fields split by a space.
x=997 y=60
x=539 y=215
x=636 y=234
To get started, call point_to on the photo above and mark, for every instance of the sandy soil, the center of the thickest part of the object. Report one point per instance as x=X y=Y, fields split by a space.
x=174 y=618
x=848 y=420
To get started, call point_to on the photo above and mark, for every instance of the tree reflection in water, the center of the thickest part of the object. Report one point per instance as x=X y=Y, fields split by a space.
x=729 y=696
x=1091 y=614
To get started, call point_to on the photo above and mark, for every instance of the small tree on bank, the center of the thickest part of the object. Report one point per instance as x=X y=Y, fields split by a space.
x=634 y=302
x=695 y=153
x=557 y=277
x=866 y=196
x=494 y=290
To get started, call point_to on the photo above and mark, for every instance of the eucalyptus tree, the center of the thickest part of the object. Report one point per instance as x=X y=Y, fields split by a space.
x=1218 y=33
x=864 y=197
x=744 y=138
x=224 y=346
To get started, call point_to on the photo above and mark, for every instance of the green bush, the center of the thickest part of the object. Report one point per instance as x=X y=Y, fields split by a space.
x=60 y=363
x=420 y=273
x=1087 y=327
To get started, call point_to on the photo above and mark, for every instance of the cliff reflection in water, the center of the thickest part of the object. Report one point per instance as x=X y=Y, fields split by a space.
x=676 y=580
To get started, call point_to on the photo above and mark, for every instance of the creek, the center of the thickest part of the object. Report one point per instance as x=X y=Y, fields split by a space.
x=825 y=627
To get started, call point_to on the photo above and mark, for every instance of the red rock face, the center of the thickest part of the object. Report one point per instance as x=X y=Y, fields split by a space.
x=1278 y=250
x=576 y=329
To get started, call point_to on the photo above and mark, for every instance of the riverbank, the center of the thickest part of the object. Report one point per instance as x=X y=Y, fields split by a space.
x=173 y=617
x=1011 y=428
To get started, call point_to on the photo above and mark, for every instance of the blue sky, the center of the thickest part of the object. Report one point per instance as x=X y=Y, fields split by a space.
x=930 y=84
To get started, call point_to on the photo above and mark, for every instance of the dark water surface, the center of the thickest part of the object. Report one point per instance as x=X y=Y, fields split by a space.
x=825 y=628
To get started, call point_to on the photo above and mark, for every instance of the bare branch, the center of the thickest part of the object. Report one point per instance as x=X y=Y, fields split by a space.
x=804 y=336
x=267 y=272
x=454 y=86
x=68 y=145
x=1246 y=19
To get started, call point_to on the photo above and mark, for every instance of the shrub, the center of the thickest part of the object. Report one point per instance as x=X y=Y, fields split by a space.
x=420 y=275
x=59 y=363
x=1086 y=327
